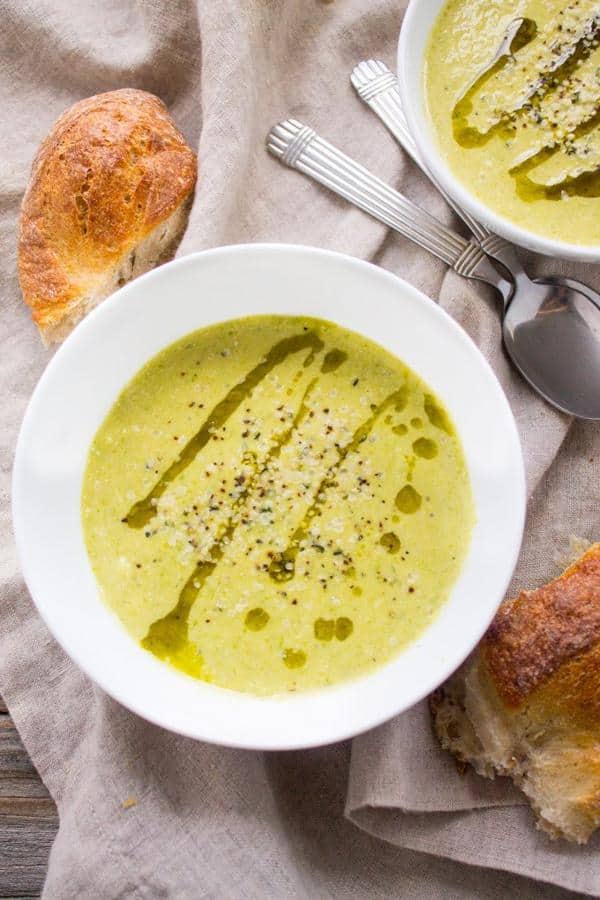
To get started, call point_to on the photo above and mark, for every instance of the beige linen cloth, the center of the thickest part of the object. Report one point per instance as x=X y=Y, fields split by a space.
x=144 y=813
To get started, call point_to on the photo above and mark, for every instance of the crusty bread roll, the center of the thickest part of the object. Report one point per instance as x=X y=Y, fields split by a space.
x=527 y=703
x=107 y=200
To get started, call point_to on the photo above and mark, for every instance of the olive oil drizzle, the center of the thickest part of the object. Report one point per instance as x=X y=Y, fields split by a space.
x=144 y=510
x=436 y=415
x=333 y=360
x=553 y=79
x=584 y=184
x=167 y=637
x=283 y=566
x=464 y=133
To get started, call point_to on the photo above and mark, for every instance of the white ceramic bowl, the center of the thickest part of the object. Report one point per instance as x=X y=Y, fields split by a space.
x=414 y=36
x=79 y=387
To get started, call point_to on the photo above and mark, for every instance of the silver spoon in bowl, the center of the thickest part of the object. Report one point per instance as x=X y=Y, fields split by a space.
x=551 y=325
x=554 y=341
x=518 y=32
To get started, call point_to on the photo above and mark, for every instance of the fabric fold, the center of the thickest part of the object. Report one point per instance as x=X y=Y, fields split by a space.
x=144 y=813
x=501 y=834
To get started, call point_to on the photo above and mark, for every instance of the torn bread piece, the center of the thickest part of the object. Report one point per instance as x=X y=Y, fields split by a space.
x=527 y=703
x=108 y=199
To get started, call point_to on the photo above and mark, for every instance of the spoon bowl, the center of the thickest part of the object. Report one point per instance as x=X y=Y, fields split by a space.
x=552 y=334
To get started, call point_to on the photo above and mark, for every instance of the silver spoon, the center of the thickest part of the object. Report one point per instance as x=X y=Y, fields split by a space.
x=568 y=378
x=520 y=32
x=507 y=47
x=575 y=306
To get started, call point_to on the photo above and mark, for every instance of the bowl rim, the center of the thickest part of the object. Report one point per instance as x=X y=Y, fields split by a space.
x=422 y=132
x=369 y=719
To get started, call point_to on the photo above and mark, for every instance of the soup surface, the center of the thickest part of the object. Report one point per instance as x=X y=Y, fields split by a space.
x=525 y=136
x=275 y=504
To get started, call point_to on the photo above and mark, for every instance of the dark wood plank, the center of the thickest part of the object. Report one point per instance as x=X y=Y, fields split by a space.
x=15 y=787
x=13 y=756
x=28 y=819
x=18 y=777
x=26 y=836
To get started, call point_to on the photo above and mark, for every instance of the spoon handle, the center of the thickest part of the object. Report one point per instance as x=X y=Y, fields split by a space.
x=298 y=146
x=377 y=86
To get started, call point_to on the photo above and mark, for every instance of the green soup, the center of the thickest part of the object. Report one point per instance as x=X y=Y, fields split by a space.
x=525 y=137
x=275 y=504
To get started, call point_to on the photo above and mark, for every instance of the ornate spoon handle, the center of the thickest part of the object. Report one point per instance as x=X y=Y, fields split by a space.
x=299 y=147
x=378 y=88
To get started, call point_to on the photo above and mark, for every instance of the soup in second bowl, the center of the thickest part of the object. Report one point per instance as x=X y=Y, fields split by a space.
x=524 y=136
x=275 y=504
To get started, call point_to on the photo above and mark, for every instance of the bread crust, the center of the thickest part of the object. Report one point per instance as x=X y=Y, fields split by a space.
x=113 y=167
x=527 y=702
x=540 y=632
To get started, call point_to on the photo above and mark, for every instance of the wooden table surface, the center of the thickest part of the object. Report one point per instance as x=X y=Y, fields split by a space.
x=28 y=818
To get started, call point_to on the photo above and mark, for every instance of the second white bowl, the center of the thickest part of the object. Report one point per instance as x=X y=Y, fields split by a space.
x=414 y=37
